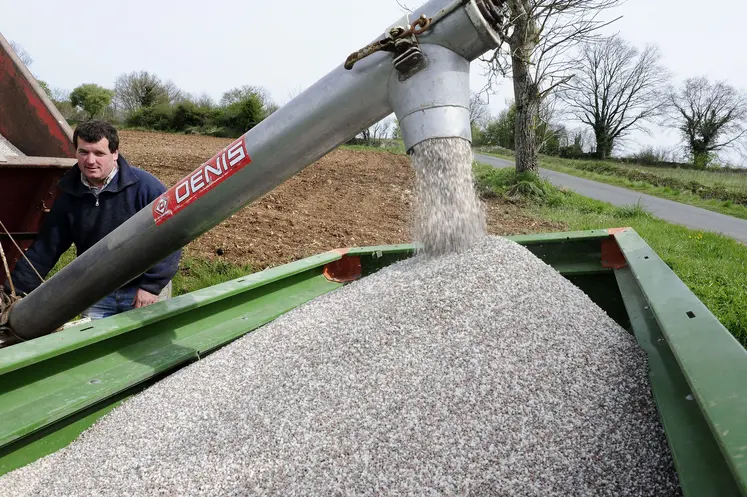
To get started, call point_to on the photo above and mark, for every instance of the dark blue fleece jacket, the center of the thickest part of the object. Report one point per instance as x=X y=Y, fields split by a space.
x=78 y=217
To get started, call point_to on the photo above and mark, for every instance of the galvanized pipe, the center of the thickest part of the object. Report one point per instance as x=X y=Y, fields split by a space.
x=329 y=113
x=429 y=107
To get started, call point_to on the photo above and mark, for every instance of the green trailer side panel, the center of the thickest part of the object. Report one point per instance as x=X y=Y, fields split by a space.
x=712 y=361
x=58 y=435
x=701 y=467
x=78 y=337
x=602 y=289
x=571 y=253
x=567 y=236
x=37 y=397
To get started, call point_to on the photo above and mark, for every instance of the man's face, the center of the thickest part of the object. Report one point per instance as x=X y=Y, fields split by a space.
x=95 y=160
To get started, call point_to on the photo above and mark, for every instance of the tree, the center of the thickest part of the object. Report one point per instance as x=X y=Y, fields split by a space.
x=396 y=130
x=21 y=53
x=710 y=116
x=92 y=98
x=616 y=89
x=205 y=101
x=536 y=36
x=380 y=130
x=373 y=135
x=187 y=114
x=241 y=115
x=478 y=110
x=546 y=130
x=295 y=91
x=501 y=131
x=136 y=90
x=45 y=86
x=243 y=93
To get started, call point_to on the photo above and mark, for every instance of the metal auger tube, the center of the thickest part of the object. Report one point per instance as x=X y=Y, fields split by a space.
x=381 y=78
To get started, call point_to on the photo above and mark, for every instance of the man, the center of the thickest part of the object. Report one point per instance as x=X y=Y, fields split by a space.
x=96 y=197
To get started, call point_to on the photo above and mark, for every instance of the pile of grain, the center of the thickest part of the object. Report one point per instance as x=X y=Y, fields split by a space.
x=485 y=373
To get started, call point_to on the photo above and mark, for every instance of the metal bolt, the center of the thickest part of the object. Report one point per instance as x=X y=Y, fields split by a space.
x=396 y=31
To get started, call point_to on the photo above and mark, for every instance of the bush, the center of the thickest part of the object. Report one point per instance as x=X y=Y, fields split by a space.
x=526 y=187
x=650 y=156
x=241 y=116
x=158 y=117
x=716 y=192
x=188 y=115
x=92 y=98
x=632 y=211
x=572 y=152
x=702 y=161
x=184 y=117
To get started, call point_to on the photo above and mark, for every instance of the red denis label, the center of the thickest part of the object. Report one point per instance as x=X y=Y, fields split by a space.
x=201 y=180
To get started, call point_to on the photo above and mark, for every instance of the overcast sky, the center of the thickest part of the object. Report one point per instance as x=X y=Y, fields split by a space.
x=212 y=46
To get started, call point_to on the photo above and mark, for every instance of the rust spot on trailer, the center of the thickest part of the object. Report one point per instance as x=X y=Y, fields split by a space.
x=347 y=268
x=612 y=256
x=614 y=231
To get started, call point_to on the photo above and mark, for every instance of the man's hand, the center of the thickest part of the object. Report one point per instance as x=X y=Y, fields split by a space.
x=143 y=298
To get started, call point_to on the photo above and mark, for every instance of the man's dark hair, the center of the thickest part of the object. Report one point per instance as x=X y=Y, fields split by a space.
x=93 y=131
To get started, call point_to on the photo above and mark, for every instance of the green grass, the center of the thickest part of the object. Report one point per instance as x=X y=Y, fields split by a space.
x=713 y=266
x=732 y=181
x=393 y=146
x=515 y=187
x=195 y=274
x=65 y=259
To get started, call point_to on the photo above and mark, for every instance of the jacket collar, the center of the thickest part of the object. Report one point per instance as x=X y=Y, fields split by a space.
x=72 y=184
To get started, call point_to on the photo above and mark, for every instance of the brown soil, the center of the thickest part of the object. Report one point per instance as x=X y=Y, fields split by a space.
x=347 y=198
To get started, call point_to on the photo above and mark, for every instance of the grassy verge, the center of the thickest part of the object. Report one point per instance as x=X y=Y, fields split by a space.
x=727 y=207
x=395 y=148
x=193 y=273
x=712 y=265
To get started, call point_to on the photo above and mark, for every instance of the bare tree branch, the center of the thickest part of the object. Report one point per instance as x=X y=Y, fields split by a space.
x=403 y=6
x=478 y=110
x=142 y=89
x=21 y=53
x=375 y=134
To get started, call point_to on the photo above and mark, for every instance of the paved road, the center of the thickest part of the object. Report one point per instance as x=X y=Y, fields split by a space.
x=675 y=212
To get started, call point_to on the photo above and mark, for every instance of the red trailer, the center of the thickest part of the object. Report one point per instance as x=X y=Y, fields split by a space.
x=28 y=181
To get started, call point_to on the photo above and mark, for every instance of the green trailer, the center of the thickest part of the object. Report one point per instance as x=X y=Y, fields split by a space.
x=54 y=387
